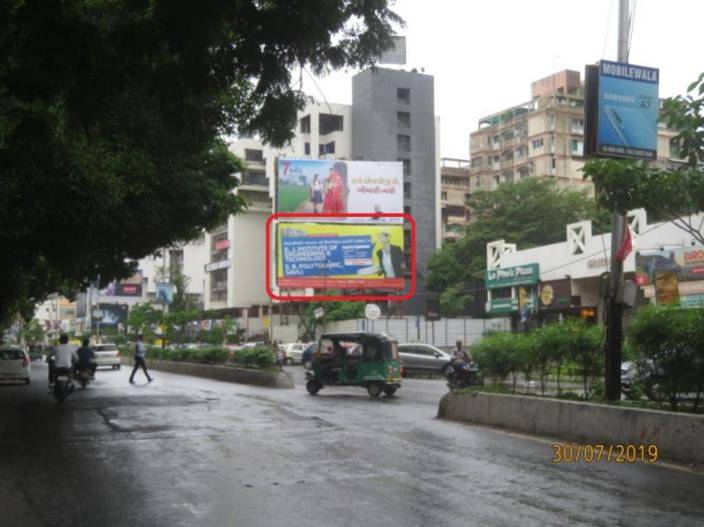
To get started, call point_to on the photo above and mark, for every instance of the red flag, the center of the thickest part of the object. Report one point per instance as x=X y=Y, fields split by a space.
x=626 y=244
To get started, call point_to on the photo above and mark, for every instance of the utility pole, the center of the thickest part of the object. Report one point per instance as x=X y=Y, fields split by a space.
x=614 y=309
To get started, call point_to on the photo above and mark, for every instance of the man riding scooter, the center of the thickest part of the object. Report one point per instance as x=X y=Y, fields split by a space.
x=86 y=359
x=464 y=371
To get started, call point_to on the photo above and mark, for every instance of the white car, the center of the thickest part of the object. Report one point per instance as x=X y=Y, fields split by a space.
x=107 y=355
x=15 y=364
x=294 y=352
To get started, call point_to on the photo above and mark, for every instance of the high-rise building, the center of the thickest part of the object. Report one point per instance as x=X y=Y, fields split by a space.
x=393 y=118
x=454 y=195
x=543 y=137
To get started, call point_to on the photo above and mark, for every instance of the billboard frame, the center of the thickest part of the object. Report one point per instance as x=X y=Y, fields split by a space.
x=331 y=298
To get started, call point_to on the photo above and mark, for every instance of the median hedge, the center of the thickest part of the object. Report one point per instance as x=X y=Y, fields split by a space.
x=259 y=357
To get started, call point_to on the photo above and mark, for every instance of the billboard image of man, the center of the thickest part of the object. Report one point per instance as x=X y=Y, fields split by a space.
x=390 y=257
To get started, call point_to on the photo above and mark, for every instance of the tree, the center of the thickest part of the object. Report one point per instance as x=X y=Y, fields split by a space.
x=112 y=114
x=143 y=317
x=530 y=212
x=32 y=332
x=673 y=193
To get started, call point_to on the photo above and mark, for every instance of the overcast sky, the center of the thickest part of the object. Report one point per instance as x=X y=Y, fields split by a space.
x=484 y=54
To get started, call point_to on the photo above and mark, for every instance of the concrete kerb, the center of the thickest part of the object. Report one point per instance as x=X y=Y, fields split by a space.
x=678 y=436
x=268 y=378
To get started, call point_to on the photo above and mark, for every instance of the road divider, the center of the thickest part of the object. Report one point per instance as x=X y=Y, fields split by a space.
x=677 y=436
x=271 y=378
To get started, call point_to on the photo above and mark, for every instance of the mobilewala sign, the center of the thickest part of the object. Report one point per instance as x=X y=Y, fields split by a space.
x=628 y=108
x=509 y=276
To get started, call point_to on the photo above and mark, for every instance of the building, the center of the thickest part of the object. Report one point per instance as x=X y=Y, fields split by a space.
x=454 y=195
x=393 y=118
x=542 y=137
x=564 y=278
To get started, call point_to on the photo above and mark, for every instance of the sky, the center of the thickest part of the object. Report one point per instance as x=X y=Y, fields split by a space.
x=485 y=54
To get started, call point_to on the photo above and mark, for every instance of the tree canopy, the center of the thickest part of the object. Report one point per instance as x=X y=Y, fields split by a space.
x=112 y=114
x=670 y=193
x=529 y=213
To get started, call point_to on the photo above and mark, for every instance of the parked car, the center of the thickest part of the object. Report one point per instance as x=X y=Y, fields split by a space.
x=15 y=364
x=424 y=358
x=107 y=355
x=644 y=373
x=294 y=352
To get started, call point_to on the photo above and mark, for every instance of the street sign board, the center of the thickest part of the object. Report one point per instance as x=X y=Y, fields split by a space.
x=319 y=312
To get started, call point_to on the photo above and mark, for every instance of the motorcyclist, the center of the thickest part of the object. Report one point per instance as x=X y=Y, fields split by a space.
x=460 y=358
x=64 y=356
x=86 y=357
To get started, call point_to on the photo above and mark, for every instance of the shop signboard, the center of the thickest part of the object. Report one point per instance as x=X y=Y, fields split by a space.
x=673 y=276
x=509 y=276
x=556 y=294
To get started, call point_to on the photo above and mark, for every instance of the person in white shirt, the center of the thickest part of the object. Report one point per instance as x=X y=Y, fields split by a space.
x=64 y=356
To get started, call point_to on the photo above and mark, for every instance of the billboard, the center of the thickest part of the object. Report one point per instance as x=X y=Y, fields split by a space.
x=672 y=276
x=628 y=108
x=319 y=255
x=131 y=287
x=112 y=315
x=164 y=293
x=315 y=186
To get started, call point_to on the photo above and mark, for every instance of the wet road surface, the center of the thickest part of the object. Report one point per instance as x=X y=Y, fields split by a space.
x=183 y=451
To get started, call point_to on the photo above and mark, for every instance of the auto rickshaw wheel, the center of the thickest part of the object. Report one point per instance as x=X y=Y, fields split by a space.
x=389 y=390
x=313 y=386
x=374 y=389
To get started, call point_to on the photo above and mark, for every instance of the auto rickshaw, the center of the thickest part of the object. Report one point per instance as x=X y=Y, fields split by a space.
x=355 y=359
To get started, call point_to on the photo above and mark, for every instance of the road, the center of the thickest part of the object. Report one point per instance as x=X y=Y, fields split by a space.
x=183 y=451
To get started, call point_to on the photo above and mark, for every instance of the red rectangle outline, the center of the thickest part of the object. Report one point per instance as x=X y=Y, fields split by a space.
x=330 y=298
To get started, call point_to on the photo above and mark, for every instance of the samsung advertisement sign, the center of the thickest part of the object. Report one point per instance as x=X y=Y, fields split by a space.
x=622 y=110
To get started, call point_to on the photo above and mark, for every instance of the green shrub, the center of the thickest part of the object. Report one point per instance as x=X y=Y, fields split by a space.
x=259 y=357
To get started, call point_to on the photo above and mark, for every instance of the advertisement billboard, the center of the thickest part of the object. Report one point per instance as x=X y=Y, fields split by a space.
x=672 y=276
x=164 y=293
x=318 y=186
x=112 y=315
x=131 y=287
x=628 y=108
x=319 y=255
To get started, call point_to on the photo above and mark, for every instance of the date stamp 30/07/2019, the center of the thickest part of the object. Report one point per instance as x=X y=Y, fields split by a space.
x=601 y=453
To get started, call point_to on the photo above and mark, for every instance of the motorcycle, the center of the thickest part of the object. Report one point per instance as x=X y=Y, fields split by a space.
x=463 y=376
x=63 y=384
x=85 y=376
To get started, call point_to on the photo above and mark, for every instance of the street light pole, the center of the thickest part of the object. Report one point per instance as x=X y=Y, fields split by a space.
x=614 y=309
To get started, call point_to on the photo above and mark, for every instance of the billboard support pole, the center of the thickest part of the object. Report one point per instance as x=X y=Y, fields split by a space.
x=614 y=309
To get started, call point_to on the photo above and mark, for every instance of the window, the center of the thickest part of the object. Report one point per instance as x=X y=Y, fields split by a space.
x=577 y=147
x=523 y=172
x=538 y=143
x=443 y=195
x=577 y=126
x=467 y=195
x=327 y=148
x=253 y=155
x=551 y=121
x=305 y=124
x=218 y=283
x=553 y=162
x=476 y=162
x=497 y=179
x=403 y=119
x=306 y=149
x=496 y=159
x=406 y=166
x=254 y=178
x=403 y=143
x=478 y=182
x=403 y=95
x=406 y=190
x=328 y=123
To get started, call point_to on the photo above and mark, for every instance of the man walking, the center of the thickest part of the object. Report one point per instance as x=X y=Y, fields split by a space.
x=139 y=351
